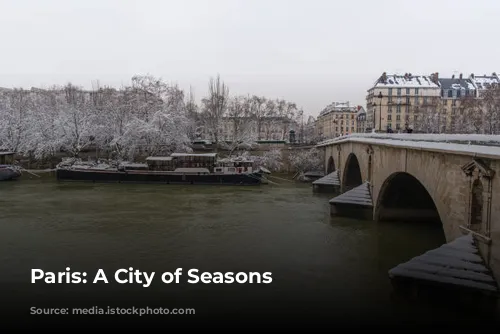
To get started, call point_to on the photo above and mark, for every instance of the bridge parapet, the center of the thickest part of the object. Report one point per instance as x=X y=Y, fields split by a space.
x=468 y=139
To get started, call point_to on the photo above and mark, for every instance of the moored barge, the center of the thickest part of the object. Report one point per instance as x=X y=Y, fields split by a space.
x=8 y=171
x=178 y=168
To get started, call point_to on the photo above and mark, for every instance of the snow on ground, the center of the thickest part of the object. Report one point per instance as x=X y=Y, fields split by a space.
x=468 y=144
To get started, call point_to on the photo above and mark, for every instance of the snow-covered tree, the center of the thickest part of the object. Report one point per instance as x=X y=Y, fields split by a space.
x=491 y=109
x=16 y=107
x=429 y=117
x=470 y=118
x=241 y=125
x=273 y=159
x=305 y=160
x=258 y=112
x=194 y=129
x=214 y=108
x=44 y=139
x=76 y=121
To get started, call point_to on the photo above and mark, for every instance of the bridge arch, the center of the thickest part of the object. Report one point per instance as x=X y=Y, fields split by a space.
x=403 y=197
x=330 y=167
x=352 y=173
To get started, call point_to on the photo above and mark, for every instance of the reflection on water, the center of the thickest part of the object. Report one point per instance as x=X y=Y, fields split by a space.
x=284 y=229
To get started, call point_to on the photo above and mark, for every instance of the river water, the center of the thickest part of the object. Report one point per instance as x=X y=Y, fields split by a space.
x=322 y=267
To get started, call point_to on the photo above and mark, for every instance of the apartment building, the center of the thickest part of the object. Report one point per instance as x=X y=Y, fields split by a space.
x=454 y=91
x=395 y=102
x=338 y=119
x=484 y=82
x=247 y=128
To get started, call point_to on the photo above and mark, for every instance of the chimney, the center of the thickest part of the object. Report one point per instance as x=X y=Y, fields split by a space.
x=435 y=77
x=453 y=76
x=384 y=77
x=472 y=75
x=461 y=76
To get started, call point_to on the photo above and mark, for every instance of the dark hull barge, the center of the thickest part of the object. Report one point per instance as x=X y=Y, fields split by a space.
x=179 y=168
x=156 y=177
x=8 y=171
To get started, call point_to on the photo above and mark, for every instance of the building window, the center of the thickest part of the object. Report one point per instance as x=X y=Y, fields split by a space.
x=459 y=93
x=399 y=91
x=407 y=91
x=389 y=125
x=416 y=91
x=407 y=100
x=398 y=126
x=389 y=117
x=416 y=100
x=370 y=167
x=352 y=129
x=398 y=108
x=390 y=92
x=450 y=93
x=425 y=99
x=476 y=212
x=398 y=117
x=389 y=110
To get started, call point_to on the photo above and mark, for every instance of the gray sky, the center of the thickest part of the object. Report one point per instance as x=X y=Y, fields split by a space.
x=310 y=52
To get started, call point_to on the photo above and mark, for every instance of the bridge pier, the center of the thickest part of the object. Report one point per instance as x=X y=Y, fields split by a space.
x=355 y=203
x=328 y=184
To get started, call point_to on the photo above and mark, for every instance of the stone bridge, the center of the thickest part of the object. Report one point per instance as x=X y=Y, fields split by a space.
x=451 y=178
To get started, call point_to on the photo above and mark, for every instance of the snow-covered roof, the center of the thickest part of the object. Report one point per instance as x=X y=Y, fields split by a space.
x=340 y=107
x=133 y=164
x=487 y=146
x=6 y=153
x=193 y=154
x=405 y=81
x=485 y=81
x=456 y=263
x=158 y=158
x=457 y=83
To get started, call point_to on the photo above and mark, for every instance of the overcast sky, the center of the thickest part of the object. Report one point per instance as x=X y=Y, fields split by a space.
x=310 y=52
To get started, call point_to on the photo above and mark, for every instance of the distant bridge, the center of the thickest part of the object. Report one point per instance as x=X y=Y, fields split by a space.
x=453 y=178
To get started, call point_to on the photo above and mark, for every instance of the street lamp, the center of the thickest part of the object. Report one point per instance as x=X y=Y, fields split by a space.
x=380 y=96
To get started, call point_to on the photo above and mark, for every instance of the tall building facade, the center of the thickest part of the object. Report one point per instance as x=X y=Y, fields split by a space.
x=396 y=102
x=338 y=119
